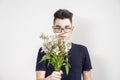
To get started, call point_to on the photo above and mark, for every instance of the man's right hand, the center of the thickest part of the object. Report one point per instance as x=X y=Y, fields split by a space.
x=55 y=76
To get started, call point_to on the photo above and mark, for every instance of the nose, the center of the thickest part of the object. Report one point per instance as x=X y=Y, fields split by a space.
x=62 y=30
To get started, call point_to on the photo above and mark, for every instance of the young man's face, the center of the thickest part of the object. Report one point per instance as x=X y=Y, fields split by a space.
x=63 y=27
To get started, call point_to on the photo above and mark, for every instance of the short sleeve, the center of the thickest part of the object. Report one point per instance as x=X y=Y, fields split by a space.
x=40 y=65
x=86 y=62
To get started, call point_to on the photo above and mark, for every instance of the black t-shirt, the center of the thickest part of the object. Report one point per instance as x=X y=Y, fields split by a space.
x=79 y=61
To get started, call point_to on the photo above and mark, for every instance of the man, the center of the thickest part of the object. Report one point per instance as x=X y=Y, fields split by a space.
x=79 y=57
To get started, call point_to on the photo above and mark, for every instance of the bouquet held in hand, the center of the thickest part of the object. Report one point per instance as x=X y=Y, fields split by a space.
x=56 y=51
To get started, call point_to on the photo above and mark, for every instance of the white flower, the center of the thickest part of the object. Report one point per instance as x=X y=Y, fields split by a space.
x=67 y=46
x=57 y=51
x=52 y=40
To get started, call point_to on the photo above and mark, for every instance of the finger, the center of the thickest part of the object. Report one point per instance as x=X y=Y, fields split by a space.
x=54 y=78
x=56 y=75
x=61 y=72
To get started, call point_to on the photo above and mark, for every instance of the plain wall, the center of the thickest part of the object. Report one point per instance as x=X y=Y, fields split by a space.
x=97 y=26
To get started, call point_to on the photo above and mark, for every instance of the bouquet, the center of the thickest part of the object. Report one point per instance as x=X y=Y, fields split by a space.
x=56 y=51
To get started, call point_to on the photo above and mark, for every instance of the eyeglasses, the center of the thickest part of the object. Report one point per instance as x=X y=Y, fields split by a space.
x=59 y=30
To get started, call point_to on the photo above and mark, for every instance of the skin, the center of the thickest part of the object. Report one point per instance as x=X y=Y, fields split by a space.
x=40 y=75
x=63 y=23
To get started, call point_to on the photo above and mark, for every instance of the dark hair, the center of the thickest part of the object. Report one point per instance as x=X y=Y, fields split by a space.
x=62 y=14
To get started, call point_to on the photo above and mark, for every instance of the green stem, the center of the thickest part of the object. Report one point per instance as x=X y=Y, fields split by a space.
x=57 y=67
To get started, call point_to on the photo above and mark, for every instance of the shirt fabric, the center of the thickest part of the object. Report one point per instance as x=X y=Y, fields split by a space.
x=79 y=60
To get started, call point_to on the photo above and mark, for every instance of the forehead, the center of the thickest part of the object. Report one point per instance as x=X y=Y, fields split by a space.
x=62 y=22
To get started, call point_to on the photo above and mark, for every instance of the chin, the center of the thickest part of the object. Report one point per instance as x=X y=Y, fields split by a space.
x=63 y=39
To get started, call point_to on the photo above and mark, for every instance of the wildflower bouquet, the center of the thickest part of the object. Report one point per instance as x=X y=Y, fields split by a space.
x=56 y=51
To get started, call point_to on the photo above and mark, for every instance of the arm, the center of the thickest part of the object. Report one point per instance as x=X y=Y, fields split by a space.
x=87 y=75
x=40 y=75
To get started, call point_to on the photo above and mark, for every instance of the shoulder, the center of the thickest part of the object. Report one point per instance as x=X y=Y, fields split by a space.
x=41 y=53
x=80 y=46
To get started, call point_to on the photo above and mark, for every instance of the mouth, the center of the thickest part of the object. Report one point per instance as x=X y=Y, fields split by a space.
x=62 y=37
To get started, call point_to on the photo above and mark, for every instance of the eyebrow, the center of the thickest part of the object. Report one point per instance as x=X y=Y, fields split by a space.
x=66 y=26
x=58 y=26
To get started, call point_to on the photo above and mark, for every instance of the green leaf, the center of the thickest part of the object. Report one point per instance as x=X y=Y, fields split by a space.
x=44 y=58
x=67 y=68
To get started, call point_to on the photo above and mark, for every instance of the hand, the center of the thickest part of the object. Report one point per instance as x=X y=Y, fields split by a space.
x=55 y=76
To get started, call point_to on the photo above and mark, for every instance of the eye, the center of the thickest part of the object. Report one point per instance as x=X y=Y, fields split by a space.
x=57 y=28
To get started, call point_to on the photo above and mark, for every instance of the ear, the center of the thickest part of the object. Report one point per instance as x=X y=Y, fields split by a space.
x=53 y=28
x=72 y=28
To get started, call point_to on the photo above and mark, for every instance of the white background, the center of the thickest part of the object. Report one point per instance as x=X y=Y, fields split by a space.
x=97 y=26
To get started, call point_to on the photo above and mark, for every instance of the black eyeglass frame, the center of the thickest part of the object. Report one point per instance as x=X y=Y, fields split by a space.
x=69 y=29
